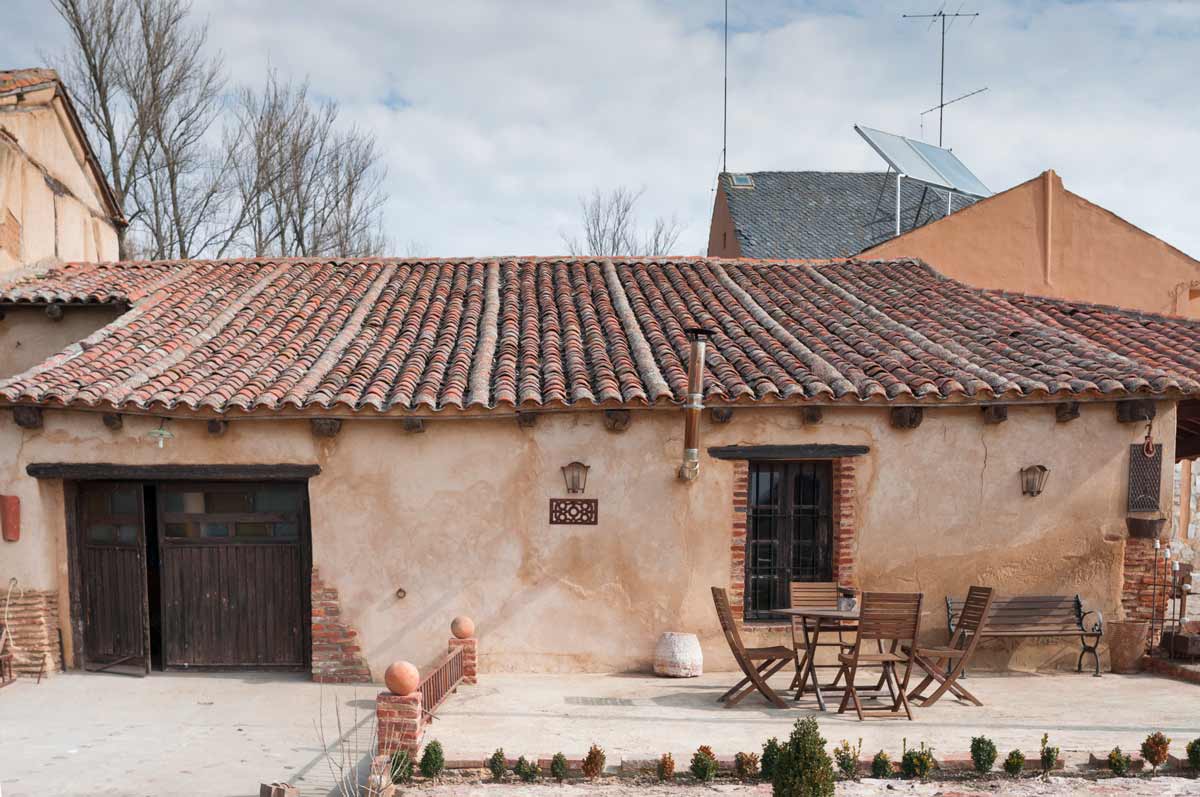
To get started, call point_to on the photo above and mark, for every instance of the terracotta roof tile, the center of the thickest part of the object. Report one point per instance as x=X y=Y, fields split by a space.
x=410 y=335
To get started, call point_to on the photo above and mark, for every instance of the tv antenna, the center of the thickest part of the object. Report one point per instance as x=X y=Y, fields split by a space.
x=941 y=16
x=725 y=96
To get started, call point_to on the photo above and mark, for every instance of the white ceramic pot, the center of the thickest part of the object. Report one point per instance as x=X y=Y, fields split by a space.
x=678 y=656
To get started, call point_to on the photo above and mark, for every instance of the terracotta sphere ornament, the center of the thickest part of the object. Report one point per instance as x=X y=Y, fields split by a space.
x=462 y=627
x=402 y=678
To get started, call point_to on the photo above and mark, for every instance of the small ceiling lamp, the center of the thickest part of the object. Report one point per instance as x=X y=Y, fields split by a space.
x=161 y=434
x=575 y=475
x=1033 y=479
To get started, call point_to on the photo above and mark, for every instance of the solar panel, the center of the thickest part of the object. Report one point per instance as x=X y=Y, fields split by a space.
x=925 y=163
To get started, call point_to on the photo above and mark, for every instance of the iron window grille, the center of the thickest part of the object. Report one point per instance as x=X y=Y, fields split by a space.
x=789 y=533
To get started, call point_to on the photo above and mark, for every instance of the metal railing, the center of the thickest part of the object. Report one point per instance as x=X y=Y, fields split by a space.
x=441 y=679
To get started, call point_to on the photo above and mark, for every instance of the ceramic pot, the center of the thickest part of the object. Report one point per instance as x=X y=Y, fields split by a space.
x=1126 y=644
x=678 y=656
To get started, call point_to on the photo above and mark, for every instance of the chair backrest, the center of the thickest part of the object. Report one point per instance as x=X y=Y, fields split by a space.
x=725 y=616
x=894 y=616
x=814 y=595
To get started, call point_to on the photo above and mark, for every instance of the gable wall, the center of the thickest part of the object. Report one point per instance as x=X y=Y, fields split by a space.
x=722 y=236
x=28 y=336
x=1094 y=255
x=50 y=205
x=457 y=517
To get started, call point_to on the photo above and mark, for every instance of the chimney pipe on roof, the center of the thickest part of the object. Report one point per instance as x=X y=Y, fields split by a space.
x=690 y=468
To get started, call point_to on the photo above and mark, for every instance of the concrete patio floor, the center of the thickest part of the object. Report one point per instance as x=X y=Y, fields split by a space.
x=223 y=734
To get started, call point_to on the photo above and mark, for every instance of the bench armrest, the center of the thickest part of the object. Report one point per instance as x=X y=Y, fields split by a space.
x=1097 y=626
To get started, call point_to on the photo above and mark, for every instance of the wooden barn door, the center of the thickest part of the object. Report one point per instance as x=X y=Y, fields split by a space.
x=112 y=553
x=234 y=574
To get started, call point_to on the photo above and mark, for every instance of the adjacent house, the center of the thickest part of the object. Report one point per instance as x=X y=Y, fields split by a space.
x=312 y=464
x=55 y=202
x=816 y=215
x=1036 y=237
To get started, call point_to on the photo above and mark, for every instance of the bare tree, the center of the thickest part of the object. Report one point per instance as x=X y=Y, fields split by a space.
x=284 y=179
x=610 y=227
x=101 y=31
x=305 y=187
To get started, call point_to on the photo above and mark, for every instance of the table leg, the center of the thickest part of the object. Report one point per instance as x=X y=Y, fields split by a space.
x=812 y=662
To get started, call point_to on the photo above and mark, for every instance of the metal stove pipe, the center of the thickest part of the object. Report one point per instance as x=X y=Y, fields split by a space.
x=690 y=468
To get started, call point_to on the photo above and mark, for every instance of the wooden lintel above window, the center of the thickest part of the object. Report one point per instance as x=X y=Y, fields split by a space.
x=106 y=471
x=774 y=453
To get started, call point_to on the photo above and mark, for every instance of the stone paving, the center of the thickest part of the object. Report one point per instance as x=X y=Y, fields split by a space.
x=1027 y=787
x=202 y=734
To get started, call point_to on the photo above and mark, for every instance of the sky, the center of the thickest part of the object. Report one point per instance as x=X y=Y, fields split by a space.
x=495 y=117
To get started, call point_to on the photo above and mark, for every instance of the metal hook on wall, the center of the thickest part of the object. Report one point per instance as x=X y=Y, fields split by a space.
x=1148 y=444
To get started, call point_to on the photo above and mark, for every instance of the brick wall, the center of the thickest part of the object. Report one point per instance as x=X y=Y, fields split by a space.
x=33 y=626
x=336 y=650
x=845 y=534
x=1138 y=593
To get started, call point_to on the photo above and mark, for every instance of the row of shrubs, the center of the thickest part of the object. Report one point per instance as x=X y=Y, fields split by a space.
x=799 y=765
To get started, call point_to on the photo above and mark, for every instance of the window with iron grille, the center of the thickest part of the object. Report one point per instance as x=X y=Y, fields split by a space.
x=789 y=533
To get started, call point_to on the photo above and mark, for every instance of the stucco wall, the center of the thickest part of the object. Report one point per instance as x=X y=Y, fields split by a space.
x=50 y=205
x=1094 y=255
x=28 y=336
x=457 y=517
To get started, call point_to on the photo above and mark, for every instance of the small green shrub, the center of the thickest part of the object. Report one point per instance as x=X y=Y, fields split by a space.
x=918 y=762
x=881 y=765
x=983 y=754
x=400 y=767
x=804 y=769
x=704 y=764
x=847 y=758
x=1154 y=750
x=496 y=764
x=770 y=755
x=1193 y=754
x=1014 y=763
x=746 y=765
x=1120 y=763
x=558 y=767
x=593 y=762
x=528 y=771
x=433 y=760
x=1049 y=755
x=666 y=767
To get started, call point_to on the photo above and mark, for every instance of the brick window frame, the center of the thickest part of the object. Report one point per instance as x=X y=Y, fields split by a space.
x=845 y=537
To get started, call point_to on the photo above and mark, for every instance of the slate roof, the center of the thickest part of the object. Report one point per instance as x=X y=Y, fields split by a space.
x=817 y=215
x=449 y=335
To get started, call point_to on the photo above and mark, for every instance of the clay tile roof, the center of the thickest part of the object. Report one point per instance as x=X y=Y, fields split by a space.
x=431 y=335
x=17 y=79
x=826 y=214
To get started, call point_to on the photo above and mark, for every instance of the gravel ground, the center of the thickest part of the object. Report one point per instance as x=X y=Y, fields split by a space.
x=1027 y=787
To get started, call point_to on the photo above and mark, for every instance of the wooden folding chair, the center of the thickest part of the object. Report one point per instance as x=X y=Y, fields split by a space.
x=770 y=660
x=815 y=595
x=886 y=622
x=937 y=661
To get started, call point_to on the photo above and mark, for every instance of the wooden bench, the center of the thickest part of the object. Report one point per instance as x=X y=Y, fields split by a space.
x=1038 y=616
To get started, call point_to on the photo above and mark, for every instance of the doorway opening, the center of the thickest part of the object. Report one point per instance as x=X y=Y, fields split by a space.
x=191 y=575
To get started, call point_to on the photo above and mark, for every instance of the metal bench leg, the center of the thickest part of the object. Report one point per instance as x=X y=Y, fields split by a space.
x=1095 y=656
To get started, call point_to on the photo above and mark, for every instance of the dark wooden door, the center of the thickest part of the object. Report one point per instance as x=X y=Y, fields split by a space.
x=234 y=574
x=113 y=575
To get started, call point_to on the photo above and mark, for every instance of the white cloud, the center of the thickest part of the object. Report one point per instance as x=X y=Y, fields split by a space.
x=496 y=116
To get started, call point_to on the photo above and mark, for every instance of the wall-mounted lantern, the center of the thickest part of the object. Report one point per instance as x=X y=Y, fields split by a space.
x=1033 y=479
x=575 y=475
x=161 y=434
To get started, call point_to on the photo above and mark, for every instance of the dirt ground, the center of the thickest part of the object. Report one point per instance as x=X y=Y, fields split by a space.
x=1026 y=787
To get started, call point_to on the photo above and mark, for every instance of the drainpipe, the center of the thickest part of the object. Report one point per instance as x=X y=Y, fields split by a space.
x=690 y=468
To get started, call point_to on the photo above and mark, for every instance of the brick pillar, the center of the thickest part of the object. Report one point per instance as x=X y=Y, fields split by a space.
x=737 y=543
x=400 y=723
x=470 y=657
x=1139 y=598
x=33 y=630
x=336 y=653
x=845 y=532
